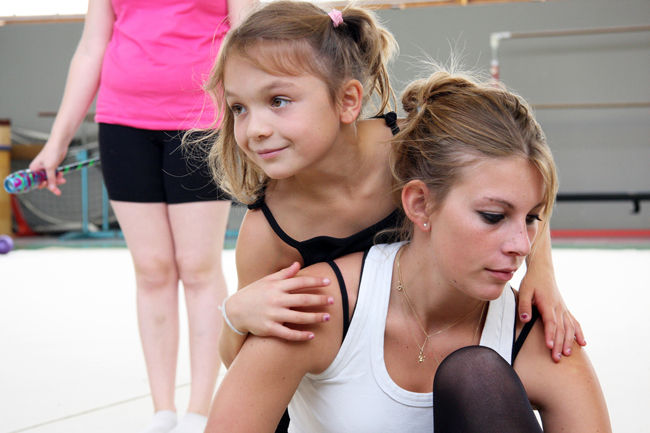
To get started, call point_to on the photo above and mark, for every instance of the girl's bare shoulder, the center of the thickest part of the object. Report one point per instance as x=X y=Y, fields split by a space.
x=260 y=251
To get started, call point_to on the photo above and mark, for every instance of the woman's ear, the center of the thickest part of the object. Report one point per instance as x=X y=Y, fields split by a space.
x=351 y=101
x=417 y=203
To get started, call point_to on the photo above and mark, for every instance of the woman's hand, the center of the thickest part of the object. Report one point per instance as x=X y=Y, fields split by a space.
x=264 y=307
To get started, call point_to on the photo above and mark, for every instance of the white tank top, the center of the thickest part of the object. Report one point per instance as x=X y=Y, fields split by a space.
x=355 y=393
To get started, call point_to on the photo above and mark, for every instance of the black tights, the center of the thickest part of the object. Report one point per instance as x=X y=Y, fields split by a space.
x=475 y=390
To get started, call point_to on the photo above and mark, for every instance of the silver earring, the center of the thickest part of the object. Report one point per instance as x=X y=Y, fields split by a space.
x=425 y=225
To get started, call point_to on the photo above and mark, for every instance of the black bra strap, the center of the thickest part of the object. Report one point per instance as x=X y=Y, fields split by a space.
x=344 y=297
x=516 y=346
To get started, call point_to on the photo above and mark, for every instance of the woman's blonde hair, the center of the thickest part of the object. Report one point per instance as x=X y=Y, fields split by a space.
x=292 y=38
x=453 y=121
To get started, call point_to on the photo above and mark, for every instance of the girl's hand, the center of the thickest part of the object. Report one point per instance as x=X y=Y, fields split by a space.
x=265 y=306
x=560 y=327
x=49 y=159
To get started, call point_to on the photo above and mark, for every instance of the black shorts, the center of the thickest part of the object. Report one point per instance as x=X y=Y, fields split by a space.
x=145 y=166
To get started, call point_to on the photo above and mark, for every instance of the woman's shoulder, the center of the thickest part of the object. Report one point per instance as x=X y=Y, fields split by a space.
x=567 y=393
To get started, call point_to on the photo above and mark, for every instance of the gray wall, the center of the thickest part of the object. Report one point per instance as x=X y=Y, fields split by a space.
x=597 y=150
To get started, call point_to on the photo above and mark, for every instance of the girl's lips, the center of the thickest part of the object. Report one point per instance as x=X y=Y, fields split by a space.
x=267 y=154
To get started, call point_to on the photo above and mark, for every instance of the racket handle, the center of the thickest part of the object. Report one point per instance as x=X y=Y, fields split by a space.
x=23 y=181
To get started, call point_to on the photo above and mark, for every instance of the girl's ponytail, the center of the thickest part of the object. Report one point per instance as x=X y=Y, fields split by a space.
x=376 y=47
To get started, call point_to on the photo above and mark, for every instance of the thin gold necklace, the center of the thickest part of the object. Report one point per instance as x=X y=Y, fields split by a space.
x=402 y=289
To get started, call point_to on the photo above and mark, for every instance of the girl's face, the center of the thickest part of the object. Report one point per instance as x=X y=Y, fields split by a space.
x=284 y=124
x=485 y=227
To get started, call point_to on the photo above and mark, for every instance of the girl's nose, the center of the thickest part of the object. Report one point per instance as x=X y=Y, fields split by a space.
x=258 y=127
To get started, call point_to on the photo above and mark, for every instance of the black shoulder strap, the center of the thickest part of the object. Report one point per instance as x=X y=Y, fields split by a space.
x=344 y=297
x=391 y=121
x=519 y=342
x=258 y=203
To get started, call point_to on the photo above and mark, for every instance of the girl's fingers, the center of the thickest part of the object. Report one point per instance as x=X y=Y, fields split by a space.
x=298 y=300
x=60 y=180
x=550 y=328
x=525 y=308
x=287 y=272
x=289 y=334
x=569 y=333
x=51 y=181
x=558 y=342
x=580 y=336
x=303 y=318
x=292 y=284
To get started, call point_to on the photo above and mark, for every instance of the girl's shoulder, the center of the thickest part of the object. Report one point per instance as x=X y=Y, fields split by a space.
x=259 y=251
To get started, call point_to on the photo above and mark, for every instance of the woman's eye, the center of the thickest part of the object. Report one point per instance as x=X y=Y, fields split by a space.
x=491 y=218
x=278 y=102
x=530 y=219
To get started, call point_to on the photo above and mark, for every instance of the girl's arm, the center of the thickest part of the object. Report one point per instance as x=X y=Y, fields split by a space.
x=266 y=299
x=567 y=395
x=539 y=286
x=80 y=89
x=262 y=379
x=238 y=9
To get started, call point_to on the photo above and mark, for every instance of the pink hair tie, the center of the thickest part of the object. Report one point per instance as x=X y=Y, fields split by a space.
x=336 y=16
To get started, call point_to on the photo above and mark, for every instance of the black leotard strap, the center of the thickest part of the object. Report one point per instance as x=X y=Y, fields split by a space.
x=519 y=342
x=391 y=121
x=344 y=297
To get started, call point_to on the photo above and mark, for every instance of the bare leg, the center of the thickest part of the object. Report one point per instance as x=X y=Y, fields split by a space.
x=148 y=236
x=198 y=231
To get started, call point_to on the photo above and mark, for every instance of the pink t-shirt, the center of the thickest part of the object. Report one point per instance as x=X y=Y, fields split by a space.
x=156 y=62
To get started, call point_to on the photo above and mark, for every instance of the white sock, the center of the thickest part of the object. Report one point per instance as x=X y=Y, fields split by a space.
x=163 y=421
x=191 y=423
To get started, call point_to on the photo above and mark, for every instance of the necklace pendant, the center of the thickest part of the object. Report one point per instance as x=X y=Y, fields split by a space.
x=421 y=357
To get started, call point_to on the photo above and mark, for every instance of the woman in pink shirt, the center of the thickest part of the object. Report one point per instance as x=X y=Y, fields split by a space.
x=146 y=62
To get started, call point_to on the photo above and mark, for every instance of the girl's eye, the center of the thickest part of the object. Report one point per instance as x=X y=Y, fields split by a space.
x=237 y=109
x=530 y=219
x=491 y=218
x=279 y=102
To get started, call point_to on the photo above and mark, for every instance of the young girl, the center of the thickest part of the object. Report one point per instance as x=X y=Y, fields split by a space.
x=316 y=178
x=477 y=184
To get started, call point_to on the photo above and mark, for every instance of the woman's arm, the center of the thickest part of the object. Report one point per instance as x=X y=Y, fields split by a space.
x=539 y=287
x=266 y=300
x=262 y=379
x=80 y=89
x=567 y=395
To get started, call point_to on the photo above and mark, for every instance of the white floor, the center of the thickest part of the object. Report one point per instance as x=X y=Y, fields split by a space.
x=70 y=358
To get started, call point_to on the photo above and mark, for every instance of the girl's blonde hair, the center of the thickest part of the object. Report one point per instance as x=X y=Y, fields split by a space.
x=292 y=38
x=453 y=121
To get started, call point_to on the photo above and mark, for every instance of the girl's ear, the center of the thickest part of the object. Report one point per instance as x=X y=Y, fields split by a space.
x=351 y=101
x=417 y=203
